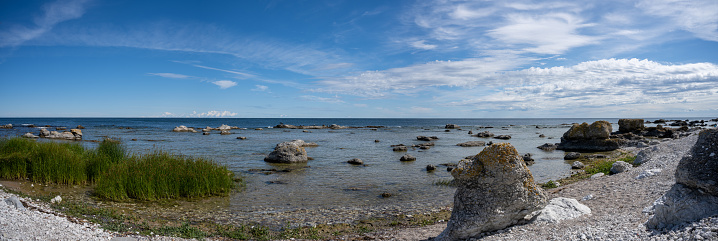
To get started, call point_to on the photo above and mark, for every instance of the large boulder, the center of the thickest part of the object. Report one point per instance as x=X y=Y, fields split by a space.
x=695 y=194
x=288 y=152
x=585 y=137
x=630 y=125
x=495 y=189
x=699 y=170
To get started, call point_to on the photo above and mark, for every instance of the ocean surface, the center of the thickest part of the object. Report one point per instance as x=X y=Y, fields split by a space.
x=327 y=180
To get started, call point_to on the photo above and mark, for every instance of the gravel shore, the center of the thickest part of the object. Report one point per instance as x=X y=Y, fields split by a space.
x=617 y=203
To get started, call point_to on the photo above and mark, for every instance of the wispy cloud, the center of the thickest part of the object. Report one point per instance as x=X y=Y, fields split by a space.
x=260 y=88
x=172 y=75
x=208 y=114
x=321 y=99
x=422 y=45
x=224 y=84
x=52 y=14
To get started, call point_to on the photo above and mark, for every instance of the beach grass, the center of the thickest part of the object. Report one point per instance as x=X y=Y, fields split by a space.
x=115 y=174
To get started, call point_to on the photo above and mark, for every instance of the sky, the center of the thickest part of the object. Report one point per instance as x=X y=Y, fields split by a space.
x=359 y=59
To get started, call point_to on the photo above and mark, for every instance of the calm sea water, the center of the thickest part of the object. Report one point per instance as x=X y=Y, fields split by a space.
x=328 y=181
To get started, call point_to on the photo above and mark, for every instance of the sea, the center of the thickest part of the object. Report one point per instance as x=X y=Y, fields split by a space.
x=328 y=180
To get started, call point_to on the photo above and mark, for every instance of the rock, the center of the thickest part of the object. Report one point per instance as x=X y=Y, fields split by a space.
x=385 y=194
x=528 y=159
x=572 y=156
x=183 y=129
x=699 y=170
x=452 y=126
x=207 y=129
x=205 y=133
x=56 y=199
x=561 y=208
x=597 y=175
x=494 y=190
x=407 y=158
x=427 y=138
x=286 y=126
x=547 y=147
x=430 y=168
x=77 y=133
x=660 y=132
x=29 y=135
x=587 y=137
x=288 y=152
x=630 y=125
x=681 y=204
x=44 y=132
x=400 y=148
x=261 y=129
x=80 y=127
x=577 y=165
x=225 y=132
x=224 y=127
x=242 y=137
x=471 y=132
x=14 y=202
x=472 y=143
x=648 y=173
x=503 y=137
x=335 y=126
x=485 y=134
x=542 y=136
x=7 y=126
x=356 y=161
x=620 y=166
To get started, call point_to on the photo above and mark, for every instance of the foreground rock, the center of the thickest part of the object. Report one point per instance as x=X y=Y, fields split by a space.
x=585 y=137
x=695 y=194
x=495 y=189
x=288 y=152
x=561 y=208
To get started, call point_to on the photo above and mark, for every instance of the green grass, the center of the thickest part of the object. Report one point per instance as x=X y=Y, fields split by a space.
x=116 y=175
x=549 y=184
x=605 y=166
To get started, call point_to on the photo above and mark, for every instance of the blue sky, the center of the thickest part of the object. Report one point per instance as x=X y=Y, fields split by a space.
x=463 y=59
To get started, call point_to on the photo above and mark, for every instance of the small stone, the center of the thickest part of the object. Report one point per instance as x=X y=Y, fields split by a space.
x=385 y=194
x=620 y=166
x=430 y=168
x=56 y=199
x=577 y=165
x=356 y=161
x=572 y=156
x=407 y=157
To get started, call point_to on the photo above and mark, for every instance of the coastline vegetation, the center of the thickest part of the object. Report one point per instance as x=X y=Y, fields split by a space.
x=592 y=167
x=116 y=175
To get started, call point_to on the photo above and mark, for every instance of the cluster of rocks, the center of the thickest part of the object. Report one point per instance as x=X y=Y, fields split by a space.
x=487 y=134
x=290 y=152
x=695 y=194
x=223 y=129
x=7 y=126
x=332 y=126
x=593 y=137
x=73 y=134
x=471 y=143
x=452 y=126
x=427 y=138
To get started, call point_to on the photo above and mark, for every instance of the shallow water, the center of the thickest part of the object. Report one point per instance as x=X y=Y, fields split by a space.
x=328 y=181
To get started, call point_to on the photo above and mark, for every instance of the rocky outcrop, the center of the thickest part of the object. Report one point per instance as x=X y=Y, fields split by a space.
x=695 y=194
x=75 y=134
x=561 y=208
x=472 y=143
x=495 y=189
x=452 y=126
x=585 y=137
x=8 y=126
x=332 y=126
x=400 y=148
x=183 y=129
x=630 y=125
x=660 y=132
x=288 y=152
x=577 y=165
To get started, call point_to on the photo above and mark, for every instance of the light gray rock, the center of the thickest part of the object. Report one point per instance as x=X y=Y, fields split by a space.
x=577 y=165
x=494 y=190
x=561 y=209
x=224 y=127
x=681 y=204
x=56 y=199
x=8 y=126
x=699 y=169
x=288 y=152
x=183 y=129
x=29 y=135
x=597 y=175
x=620 y=166
x=225 y=132
x=572 y=156
x=648 y=173
x=14 y=202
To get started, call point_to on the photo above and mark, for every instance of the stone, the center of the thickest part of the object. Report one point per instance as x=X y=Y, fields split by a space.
x=471 y=132
x=577 y=165
x=386 y=195
x=205 y=133
x=56 y=199
x=7 y=126
x=183 y=129
x=80 y=127
x=548 y=147
x=430 y=167
x=542 y=136
x=660 y=132
x=427 y=138
x=407 y=158
x=561 y=208
x=700 y=169
x=485 y=134
x=528 y=159
x=503 y=137
x=14 y=202
x=400 y=148
x=241 y=137
x=620 y=166
x=225 y=132
x=572 y=156
x=29 y=135
x=356 y=161
x=495 y=189
x=594 y=137
x=630 y=125
x=288 y=152
x=472 y=143
x=681 y=204
x=224 y=127
x=597 y=175
x=648 y=173
x=452 y=126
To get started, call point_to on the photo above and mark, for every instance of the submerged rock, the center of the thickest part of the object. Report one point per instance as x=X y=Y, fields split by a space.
x=495 y=189
x=452 y=126
x=355 y=161
x=548 y=146
x=407 y=158
x=472 y=143
x=484 y=134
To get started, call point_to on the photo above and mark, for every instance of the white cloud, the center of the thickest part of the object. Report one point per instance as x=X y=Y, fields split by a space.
x=172 y=75
x=421 y=45
x=208 y=114
x=699 y=17
x=53 y=14
x=321 y=99
x=224 y=84
x=547 y=34
x=260 y=88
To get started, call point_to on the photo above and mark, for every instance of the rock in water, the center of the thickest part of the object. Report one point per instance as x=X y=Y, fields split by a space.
x=561 y=208
x=495 y=189
x=630 y=125
x=695 y=194
x=700 y=168
x=594 y=137
x=288 y=152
